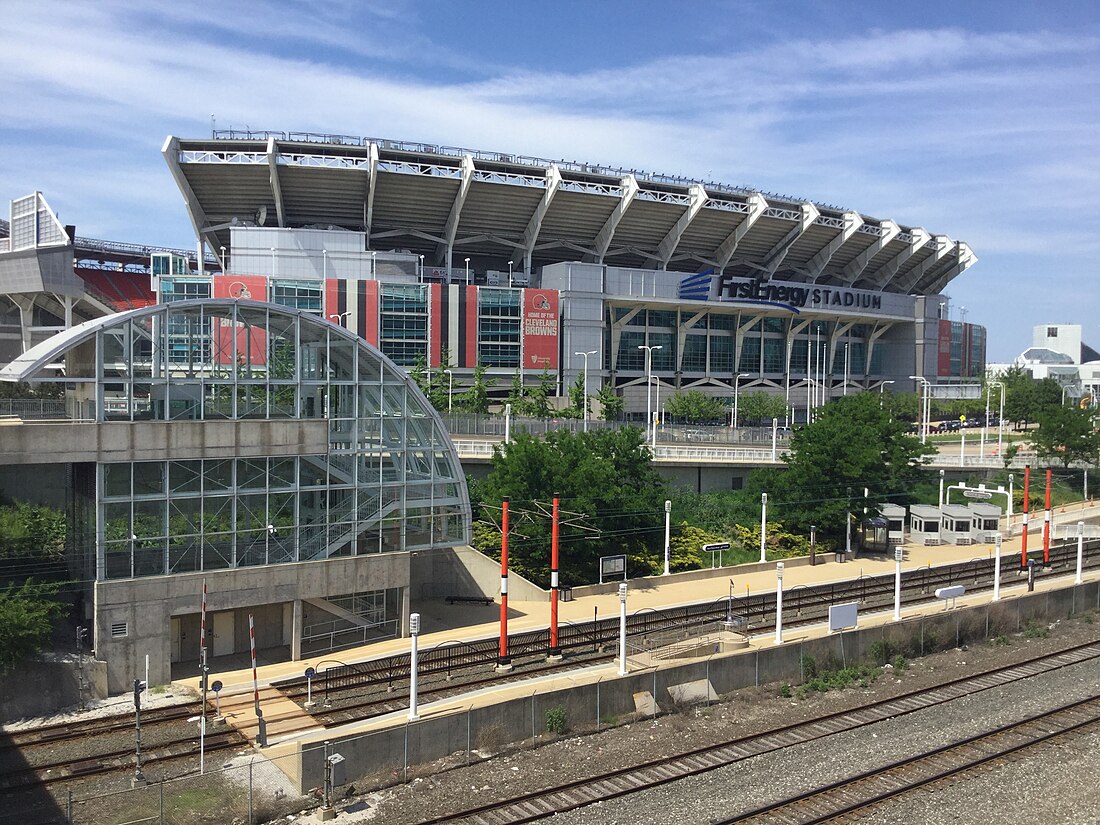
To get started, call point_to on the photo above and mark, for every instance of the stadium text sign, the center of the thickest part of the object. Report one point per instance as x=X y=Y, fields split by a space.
x=797 y=297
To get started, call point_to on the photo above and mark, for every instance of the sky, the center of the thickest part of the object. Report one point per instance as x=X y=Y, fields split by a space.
x=977 y=120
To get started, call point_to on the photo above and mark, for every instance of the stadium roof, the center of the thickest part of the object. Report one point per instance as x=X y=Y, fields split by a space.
x=448 y=204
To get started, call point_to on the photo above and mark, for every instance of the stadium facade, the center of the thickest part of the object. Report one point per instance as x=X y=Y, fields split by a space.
x=459 y=258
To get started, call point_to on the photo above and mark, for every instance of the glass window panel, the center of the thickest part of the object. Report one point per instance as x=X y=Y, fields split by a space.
x=750 y=355
x=774 y=354
x=695 y=353
x=662 y=318
x=282 y=472
x=116 y=480
x=218 y=473
x=117 y=559
x=721 y=354
x=251 y=512
x=148 y=478
x=251 y=473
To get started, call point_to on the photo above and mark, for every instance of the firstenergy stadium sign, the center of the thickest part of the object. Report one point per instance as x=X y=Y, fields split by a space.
x=707 y=286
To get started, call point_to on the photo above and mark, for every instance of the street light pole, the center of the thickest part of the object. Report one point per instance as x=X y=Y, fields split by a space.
x=622 y=628
x=583 y=355
x=736 y=392
x=467 y=272
x=1000 y=417
x=510 y=274
x=925 y=386
x=668 y=518
x=763 y=526
x=648 y=380
x=450 y=387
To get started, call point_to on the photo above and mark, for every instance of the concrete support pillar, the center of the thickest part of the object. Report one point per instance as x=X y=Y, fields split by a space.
x=296 y=631
x=406 y=606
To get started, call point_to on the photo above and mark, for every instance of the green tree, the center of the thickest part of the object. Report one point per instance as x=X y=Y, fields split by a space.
x=853 y=443
x=1025 y=398
x=27 y=613
x=695 y=407
x=577 y=399
x=475 y=398
x=1067 y=434
x=611 y=405
x=760 y=408
x=608 y=486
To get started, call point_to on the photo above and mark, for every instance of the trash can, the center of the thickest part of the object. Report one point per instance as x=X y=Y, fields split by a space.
x=565 y=594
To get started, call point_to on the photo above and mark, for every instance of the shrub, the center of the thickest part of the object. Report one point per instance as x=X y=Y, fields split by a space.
x=556 y=722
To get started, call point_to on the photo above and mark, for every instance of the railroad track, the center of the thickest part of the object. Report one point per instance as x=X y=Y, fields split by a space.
x=847 y=799
x=81 y=728
x=550 y=801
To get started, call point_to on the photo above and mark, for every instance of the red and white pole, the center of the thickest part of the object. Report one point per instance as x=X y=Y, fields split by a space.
x=1023 y=536
x=555 y=648
x=503 y=660
x=1046 y=525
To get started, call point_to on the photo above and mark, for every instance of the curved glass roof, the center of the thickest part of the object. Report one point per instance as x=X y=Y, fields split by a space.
x=1042 y=355
x=390 y=479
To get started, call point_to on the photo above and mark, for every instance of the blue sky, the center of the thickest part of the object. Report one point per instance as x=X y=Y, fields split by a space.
x=979 y=120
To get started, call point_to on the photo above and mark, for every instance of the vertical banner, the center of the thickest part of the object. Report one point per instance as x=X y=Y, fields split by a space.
x=540 y=329
x=240 y=344
x=943 y=351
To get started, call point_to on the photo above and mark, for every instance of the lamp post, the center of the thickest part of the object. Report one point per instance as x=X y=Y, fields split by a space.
x=339 y=317
x=763 y=525
x=324 y=264
x=668 y=518
x=421 y=267
x=845 y=390
x=374 y=264
x=414 y=634
x=273 y=262
x=1000 y=415
x=467 y=272
x=583 y=355
x=736 y=387
x=510 y=263
x=450 y=387
x=881 y=388
x=942 y=305
x=925 y=385
x=779 y=602
x=898 y=554
x=622 y=628
x=223 y=260
x=775 y=435
x=649 y=378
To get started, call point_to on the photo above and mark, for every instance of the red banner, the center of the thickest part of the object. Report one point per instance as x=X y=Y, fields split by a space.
x=943 y=360
x=245 y=345
x=540 y=329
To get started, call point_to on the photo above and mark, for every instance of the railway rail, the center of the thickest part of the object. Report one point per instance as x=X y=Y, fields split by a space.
x=545 y=803
x=848 y=798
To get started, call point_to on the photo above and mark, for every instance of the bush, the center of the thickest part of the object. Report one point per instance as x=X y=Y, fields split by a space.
x=556 y=722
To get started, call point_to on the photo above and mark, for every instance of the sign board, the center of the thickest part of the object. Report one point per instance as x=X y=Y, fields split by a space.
x=981 y=495
x=843 y=616
x=612 y=567
x=952 y=592
x=714 y=548
x=955 y=391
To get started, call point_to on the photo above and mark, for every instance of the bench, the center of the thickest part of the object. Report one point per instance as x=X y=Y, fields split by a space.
x=486 y=600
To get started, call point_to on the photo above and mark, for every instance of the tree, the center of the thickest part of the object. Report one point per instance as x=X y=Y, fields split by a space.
x=27 y=613
x=760 y=407
x=1025 y=398
x=1067 y=434
x=475 y=398
x=608 y=485
x=577 y=399
x=695 y=407
x=853 y=443
x=611 y=405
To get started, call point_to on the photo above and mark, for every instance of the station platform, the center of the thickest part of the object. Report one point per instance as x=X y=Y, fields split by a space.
x=290 y=727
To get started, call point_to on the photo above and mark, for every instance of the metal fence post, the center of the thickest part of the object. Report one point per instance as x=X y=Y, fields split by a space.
x=161 y=802
x=250 y=761
x=469 y=733
x=69 y=809
x=597 y=707
x=405 y=768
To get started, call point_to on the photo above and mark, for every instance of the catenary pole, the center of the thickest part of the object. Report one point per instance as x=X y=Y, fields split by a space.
x=555 y=648
x=1046 y=525
x=1027 y=510
x=504 y=662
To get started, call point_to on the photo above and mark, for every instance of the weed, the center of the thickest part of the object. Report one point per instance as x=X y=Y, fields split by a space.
x=808 y=665
x=900 y=663
x=785 y=690
x=882 y=651
x=1001 y=641
x=1036 y=630
x=556 y=721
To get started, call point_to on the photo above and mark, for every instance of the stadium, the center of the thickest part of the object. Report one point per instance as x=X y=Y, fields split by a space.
x=240 y=417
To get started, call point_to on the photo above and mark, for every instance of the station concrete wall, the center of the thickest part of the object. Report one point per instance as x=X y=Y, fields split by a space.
x=54 y=442
x=381 y=757
x=464 y=571
x=147 y=605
